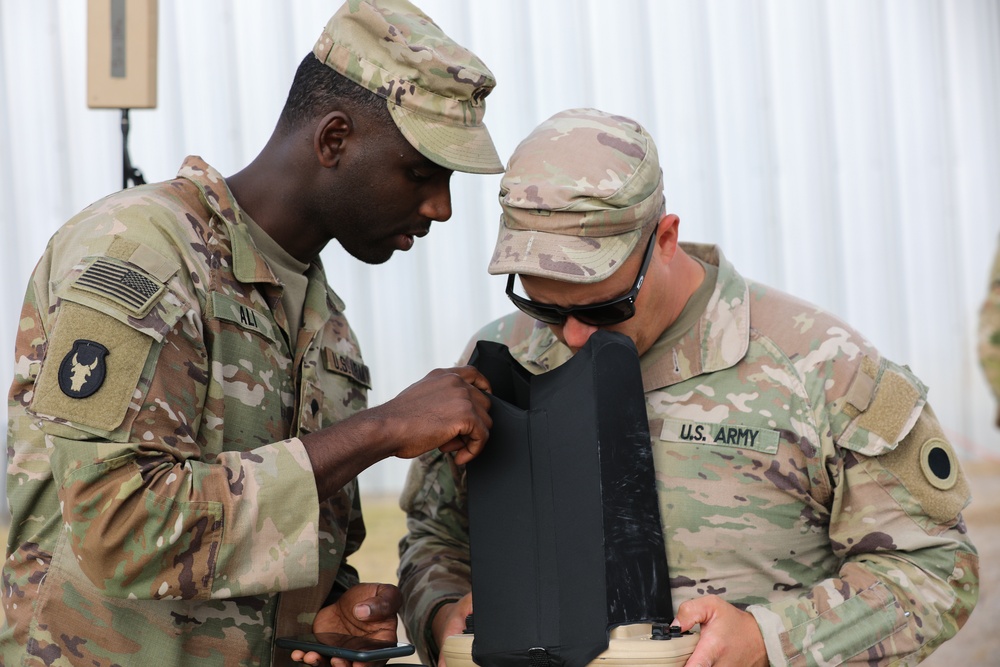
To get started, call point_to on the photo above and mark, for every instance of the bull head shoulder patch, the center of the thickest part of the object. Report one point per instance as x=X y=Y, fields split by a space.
x=82 y=370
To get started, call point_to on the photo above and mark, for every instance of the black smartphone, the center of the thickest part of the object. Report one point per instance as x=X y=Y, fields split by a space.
x=359 y=649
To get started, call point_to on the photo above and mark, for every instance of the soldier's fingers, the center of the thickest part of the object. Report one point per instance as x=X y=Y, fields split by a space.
x=452 y=445
x=480 y=399
x=476 y=427
x=456 y=446
x=470 y=450
x=474 y=441
x=310 y=658
x=692 y=612
x=456 y=619
x=463 y=456
x=473 y=377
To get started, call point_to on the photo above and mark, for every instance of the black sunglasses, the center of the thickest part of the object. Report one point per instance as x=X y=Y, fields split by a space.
x=601 y=314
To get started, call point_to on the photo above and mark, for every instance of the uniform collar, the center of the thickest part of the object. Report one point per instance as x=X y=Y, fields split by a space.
x=718 y=340
x=541 y=351
x=249 y=265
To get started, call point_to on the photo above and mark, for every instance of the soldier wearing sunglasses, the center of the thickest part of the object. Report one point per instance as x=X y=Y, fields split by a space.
x=811 y=503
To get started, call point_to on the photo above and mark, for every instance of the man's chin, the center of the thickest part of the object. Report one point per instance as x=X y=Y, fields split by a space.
x=371 y=254
x=374 y=261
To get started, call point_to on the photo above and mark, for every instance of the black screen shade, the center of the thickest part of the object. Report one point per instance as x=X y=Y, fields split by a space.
x=564 y=522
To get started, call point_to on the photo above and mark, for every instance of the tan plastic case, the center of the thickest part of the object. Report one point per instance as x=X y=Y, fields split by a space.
x=630 y=646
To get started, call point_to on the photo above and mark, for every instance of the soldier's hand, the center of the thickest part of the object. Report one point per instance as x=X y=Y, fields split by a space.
x=364 y=610
x=728 y=637
x=450 y=620
x=447 y=409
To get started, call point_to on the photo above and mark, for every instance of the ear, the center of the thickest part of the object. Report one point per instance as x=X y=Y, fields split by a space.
x=668 y=230
x=331 y=136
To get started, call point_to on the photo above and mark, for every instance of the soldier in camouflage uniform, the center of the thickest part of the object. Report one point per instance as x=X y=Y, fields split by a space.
x=810 y=501
x=989 y=334
x=187 y=416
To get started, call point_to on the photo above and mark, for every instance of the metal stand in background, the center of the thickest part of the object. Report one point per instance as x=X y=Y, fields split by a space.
x=129 y=172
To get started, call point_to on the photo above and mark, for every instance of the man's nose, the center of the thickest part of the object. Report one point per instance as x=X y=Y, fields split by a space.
x=437 y=205
x=576 y=333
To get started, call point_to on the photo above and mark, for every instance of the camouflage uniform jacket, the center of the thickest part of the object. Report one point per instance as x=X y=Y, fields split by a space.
x=989 y=333
x=164 y=509
x=801 y=477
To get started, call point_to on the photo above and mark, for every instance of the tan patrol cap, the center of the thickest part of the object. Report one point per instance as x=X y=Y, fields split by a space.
x=575 y=197
x=435 y=89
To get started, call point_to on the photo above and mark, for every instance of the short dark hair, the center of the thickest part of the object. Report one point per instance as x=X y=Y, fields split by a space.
x=317 y=88
x=648 y=228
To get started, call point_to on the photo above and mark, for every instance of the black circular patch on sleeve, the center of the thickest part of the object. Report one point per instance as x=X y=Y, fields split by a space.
x=82 y=370
x=939 y=462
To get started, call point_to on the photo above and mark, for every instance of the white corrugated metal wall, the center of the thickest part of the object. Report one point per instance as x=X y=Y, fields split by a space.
x=847 y=151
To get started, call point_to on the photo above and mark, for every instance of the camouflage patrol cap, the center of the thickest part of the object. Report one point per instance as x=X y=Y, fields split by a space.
x=435 y=89
x=575 y=197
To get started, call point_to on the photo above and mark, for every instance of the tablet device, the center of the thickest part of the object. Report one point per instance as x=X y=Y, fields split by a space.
x=359 y=649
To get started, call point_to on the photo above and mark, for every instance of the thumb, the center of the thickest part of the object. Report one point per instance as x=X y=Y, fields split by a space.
x=381 y=606
x=696 y=611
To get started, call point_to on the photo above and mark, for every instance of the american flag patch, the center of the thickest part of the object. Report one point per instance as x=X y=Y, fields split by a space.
x=123 y=284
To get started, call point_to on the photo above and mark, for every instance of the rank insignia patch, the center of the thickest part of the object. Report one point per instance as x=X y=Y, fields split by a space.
x=82 y=370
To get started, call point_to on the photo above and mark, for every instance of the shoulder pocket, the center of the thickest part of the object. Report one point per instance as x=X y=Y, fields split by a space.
x=129 y=284
x=112 y=313
x=91 y=370
x=880 y=407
